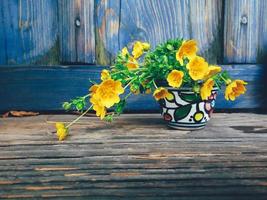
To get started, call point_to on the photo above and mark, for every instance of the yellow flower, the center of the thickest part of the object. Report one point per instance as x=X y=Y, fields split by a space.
x=138 y=49
x=105 y=75
x=205 y=90
x=213 y=69
x=62 y=131
x=146 y=46
x=175 y=78
x=235 y=89
x=124 y=51
x=93 y=89
x=198 y=68
x=60 y=125
x=161 y=93
x=132 y=63
x=98 y=107
x=187 y=50
x=108 y=92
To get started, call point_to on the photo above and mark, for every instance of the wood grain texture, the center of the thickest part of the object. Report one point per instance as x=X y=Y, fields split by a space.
x=156 y=21
x=77 y=31
x=44 y=89
x=107 y=30
x=245 y=31
x=28 y=32
x=136 y=157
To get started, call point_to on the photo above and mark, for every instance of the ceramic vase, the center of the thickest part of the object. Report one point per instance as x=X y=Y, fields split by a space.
x=185 y=110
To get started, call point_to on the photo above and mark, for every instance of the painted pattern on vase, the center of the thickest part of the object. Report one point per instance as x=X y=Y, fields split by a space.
x=186 y=110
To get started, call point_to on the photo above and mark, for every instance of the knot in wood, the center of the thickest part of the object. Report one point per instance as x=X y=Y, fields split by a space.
x=244 y=20
x=77 y=22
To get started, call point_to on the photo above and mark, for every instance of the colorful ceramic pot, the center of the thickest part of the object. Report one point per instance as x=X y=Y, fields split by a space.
x=187 y=111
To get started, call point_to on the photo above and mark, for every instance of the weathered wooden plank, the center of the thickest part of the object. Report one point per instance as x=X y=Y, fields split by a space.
x=45 y=89
x=165 y=193
x=156 y=21
x=107 y=30
x=245 y=31
x=28 y=32
x=121 y=160
x=77 y=31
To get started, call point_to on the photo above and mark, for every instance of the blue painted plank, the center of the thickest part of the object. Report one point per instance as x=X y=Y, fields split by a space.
x=156 y=21
x=28 y=31
x=76 y=31
x=45 y=88
x=245 y=31
x=107 y=24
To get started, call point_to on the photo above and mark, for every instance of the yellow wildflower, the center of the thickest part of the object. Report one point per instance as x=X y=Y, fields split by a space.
x=124 y=51
x=146 y=46
x=60 y=125
x=108 y=92
x=187 y=50
x=138 y=49
x=175 y=78
x=213 y=69
x=235 y=89
x=105 y=75
x=198 y=68
x=161 y=93
x=62 y=131
x=205 y=90
x=98 y=107
x=93 y=89
x=132 y=63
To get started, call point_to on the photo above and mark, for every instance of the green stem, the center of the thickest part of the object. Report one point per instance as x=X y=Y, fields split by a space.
x=154 y=84
x=84 y=113
x=86 y=96
x=121 y=71
x=129 y=83
x=126 y=97
x=225 y=80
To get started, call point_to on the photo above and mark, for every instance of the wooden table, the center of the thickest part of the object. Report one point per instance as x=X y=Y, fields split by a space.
x=136 y=156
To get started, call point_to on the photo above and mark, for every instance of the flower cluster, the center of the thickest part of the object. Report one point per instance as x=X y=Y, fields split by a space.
x=172 y=64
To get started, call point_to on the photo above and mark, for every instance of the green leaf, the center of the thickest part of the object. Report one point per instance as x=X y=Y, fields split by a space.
x=169 y=47
x=120 y=106
x=80 y=106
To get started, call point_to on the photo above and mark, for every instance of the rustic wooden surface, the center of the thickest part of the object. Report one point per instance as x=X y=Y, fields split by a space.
x=245 y=31
x=108 y=16
x=45 y=88
x=136 y=156
x=28 y=32
x=156 y=21
x=88 y=31
x=77 y=31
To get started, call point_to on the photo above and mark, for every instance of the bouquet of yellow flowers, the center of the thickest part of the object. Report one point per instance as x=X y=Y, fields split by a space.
x=173 y=69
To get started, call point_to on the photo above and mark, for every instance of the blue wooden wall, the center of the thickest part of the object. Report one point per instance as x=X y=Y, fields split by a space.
x=38 y=35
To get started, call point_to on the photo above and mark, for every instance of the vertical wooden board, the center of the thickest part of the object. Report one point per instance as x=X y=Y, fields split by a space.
x=28 y=32
x=107 y=30
x=77 y=31
x=156 y=21
x=245 y=31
